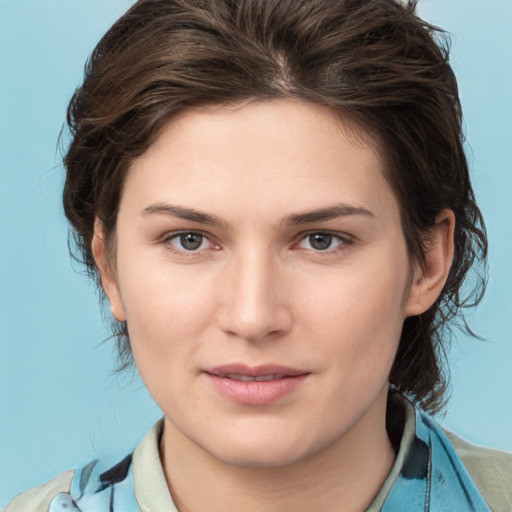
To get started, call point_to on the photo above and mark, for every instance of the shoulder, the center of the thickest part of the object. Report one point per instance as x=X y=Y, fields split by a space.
x=104 y=484
x=96 y=487
x=39 y=498
x=491 y=470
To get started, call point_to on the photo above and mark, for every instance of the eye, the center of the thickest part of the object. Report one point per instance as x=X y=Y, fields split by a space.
x=189 y=241
x=320 y=241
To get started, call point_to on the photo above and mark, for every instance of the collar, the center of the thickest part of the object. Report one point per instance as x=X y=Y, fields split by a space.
x=427 y=476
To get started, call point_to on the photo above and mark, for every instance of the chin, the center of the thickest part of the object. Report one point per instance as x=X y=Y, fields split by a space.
x=264 y=449
x=251 y=457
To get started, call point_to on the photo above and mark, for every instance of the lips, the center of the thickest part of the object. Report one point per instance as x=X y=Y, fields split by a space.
x=249 y=378
x=256 y=386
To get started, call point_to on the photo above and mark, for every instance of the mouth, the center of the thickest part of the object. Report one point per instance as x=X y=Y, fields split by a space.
x=249 y=378
x=238 y=371
x=256 y=386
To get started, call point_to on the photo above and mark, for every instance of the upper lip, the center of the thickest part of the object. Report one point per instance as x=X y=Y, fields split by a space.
x=255 y=371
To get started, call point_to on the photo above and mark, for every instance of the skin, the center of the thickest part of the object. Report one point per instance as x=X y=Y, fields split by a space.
x=259 y=291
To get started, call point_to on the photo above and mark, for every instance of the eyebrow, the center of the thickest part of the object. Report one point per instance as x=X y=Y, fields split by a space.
x=185 y=213
x=329 y=213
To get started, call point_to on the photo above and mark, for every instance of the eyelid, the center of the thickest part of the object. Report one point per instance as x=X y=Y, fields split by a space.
x=338 y=234
x=171 y=235
x=344 y=238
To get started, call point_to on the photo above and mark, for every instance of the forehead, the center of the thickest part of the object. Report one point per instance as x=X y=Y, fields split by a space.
x=286 y=154
x=260 y=120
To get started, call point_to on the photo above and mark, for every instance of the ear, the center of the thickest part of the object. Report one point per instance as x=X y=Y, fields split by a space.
x=429 y=278
x=107 y=273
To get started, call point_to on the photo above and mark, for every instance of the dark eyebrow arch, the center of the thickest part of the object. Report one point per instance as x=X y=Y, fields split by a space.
x=185 y=213
x=332 y=212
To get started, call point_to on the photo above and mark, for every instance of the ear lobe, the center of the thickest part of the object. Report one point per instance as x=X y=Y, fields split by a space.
x=429 y=278
x=107 y=274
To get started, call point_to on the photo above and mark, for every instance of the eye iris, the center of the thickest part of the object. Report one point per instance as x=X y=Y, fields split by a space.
x=320 y=241
x=191 y=241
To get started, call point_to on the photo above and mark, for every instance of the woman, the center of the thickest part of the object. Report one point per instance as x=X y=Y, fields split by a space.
x=276 y=202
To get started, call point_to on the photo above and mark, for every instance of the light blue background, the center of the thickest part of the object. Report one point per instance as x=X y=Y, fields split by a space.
x=60 y=404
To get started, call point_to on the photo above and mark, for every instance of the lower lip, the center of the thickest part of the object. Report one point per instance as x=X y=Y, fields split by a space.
x=256 y=392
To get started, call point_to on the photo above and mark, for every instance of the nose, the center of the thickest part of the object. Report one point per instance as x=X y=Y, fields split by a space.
x=253 y=304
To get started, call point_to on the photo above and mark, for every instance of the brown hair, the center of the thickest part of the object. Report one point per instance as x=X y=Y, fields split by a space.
x=373 y=60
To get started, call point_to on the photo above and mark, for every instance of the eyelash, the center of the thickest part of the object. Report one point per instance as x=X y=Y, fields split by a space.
x=344 y=241
x=167 y=241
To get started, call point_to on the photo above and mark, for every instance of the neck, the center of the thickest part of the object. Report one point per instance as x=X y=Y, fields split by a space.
x=344 y=477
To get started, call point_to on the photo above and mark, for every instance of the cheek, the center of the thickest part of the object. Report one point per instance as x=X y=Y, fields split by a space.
x=359 y=314
x=362 y=298
x=168 y=311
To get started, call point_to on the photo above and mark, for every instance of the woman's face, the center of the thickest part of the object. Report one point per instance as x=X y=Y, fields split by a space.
x=263 y=274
